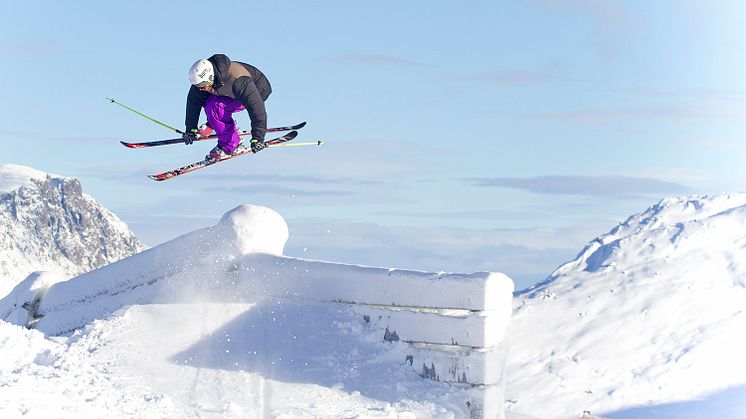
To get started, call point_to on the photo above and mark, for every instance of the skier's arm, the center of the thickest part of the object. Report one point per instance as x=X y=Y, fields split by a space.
x=246 y=92
x=195 y=100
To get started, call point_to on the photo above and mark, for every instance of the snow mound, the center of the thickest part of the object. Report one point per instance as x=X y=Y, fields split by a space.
x=15 y=176
x=258 y=229
x=651 y=312
x=20 y=347
x=175 y=271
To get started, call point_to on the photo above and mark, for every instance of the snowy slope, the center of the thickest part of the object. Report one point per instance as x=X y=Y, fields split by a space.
x=217 y=323
x=216 y=361
x=48 y=223
x=651 y=312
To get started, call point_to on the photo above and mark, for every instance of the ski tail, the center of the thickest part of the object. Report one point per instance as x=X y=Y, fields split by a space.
x=285 y=138
x=287 y=128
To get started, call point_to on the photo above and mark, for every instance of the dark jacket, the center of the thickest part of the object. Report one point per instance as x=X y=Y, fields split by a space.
x=239 y=81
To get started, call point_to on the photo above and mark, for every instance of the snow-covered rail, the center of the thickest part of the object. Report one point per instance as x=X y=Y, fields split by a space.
x=455 y=324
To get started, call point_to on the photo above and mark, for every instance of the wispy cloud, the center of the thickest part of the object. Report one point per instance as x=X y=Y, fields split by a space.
x=612 y=23
x=676 y=112
x=14 y=135
x=607 y=186
x=31 y=48
x=382 y=59
x=603 y=14
x=606 y=116
x=274 y=189
x=511 y=77
x=690 y=94
x=682 y=110
x=301 y=179
x=296 y=186
x=516 y=214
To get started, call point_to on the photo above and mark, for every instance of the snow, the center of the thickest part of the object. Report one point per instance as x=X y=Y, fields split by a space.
x=650 y=313
x=30 y=290
x=258 y=229
x=218 y=323
x=216 y=360
x=15 y=176
x=48 y=223
x=647 y=321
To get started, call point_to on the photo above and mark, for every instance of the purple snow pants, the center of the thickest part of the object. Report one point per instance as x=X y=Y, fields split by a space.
x=219 y=111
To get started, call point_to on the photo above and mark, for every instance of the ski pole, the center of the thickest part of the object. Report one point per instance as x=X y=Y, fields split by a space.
x=145 y=116
x=319 y=142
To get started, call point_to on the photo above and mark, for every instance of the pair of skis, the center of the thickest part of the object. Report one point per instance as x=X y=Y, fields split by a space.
x=157 y=143
x=240 y=151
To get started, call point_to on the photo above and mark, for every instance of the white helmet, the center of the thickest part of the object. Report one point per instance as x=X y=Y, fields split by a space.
x=202 y=73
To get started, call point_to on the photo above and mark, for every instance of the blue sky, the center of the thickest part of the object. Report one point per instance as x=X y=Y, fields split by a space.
x=460 y=136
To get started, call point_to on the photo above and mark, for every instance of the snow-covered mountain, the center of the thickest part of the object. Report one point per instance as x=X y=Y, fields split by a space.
x=651 y=312
x=48 y=223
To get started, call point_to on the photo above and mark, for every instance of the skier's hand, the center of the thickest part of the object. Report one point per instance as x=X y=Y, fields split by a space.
x=257 y=145
x=189 y=136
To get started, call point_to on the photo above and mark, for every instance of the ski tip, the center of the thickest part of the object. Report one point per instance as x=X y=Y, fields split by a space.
x=301 y=125
x=157 y=178
x=133 y=145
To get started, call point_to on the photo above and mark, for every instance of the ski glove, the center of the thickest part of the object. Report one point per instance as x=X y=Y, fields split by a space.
x=257 y=145
x=189 y=136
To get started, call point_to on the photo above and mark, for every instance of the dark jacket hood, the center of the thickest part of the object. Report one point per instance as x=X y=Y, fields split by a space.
x=221 y=62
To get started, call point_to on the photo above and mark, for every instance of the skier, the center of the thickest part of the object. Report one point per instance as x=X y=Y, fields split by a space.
x=223 y=87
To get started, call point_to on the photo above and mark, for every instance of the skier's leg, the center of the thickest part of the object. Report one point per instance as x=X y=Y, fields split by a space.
x=219 y=111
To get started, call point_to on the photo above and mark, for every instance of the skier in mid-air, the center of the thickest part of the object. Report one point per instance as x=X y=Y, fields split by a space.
x=223 y=87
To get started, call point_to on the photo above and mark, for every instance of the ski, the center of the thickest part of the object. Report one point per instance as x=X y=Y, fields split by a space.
x=240 y=151
x=207 y=137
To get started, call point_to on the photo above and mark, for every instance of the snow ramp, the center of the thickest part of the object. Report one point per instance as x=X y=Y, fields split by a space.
x=447 y=327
